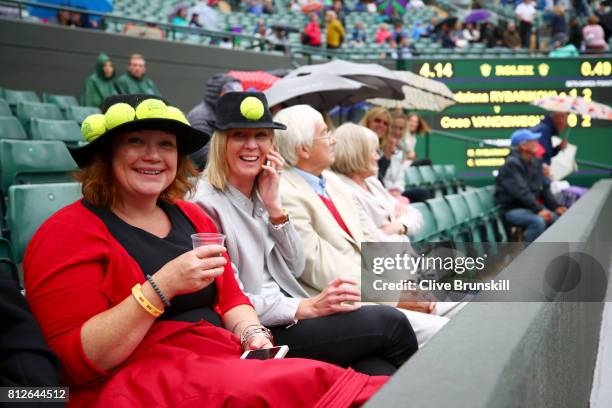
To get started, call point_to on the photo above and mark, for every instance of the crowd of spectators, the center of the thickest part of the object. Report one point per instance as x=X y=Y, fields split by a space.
x=558 y=26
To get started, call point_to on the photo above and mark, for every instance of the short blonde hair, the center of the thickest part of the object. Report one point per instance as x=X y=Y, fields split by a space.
x=374 y=112
x=354 y=147
x=217 y=168
x=300 y=121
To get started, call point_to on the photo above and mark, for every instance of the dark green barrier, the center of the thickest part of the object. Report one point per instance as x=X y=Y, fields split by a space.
x=519 y=354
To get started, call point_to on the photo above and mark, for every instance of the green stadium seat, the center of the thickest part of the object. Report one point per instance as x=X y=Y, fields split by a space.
x=79 y=113
x=63 y=101
x=10 y=128
x=5 y=109
x=30 y=205
x=443 y=216
x=451 y=175
x=480 y=219
x=34 y=161
x=442 y=179
x=28 y=110
x=468 y=225
x=492 y=212
x=67 y=131
x=412 y=177
x=13 y=97
x=429 y=179
x=429 y=230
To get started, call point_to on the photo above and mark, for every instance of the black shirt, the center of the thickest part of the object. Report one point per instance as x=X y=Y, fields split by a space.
x=151 y=253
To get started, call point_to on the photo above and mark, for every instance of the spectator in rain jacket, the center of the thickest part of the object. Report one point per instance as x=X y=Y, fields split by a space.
x=100 y=84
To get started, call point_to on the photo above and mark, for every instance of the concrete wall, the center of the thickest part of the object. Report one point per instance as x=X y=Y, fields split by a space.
x=49 y=58
x=520 y=354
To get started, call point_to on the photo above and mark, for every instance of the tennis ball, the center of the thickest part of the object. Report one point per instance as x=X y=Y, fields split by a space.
x=151 y=108
x=118 y=114
x=252 y=108
x=93 y=126
x=176 y=114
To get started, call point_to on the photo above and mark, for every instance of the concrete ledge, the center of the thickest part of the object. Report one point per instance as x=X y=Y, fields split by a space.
x=518 y=354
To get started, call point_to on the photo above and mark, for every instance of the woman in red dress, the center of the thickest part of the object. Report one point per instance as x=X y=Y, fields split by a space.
x=137 y=317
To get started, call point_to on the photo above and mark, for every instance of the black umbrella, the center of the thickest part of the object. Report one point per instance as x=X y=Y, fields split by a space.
x=449 y=21
x=285 y=28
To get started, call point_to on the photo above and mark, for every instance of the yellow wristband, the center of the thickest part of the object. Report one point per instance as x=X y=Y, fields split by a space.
x=143 y=301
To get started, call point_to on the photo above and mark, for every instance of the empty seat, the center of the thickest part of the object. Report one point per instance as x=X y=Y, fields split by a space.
x=34 y=161
x=29 y=110
x=430 y=228
x=79 y=113
x=10 y=128
x=13 y=97
x=5 y=109
x=492 y=212
x=412 y=177
x=30 y=205
x=429 y=178
x=67 y=131
x=63 y=101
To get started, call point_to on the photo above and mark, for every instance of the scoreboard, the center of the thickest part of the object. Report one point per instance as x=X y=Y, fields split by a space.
x=493 y=98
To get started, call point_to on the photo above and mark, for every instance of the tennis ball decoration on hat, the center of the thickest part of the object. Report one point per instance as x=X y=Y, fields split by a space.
x=176 y=114
x=118 y=114
x=93 y=126
x=152 y=109
x=252 y=108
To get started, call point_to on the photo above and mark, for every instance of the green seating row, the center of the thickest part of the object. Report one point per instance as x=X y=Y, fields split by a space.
x=13 y=96
x=442 y=179
x=67 y=131
x=25 y=111
x=466 y=217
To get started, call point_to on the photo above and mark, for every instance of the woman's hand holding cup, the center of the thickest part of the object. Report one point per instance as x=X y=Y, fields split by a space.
x=193 y=270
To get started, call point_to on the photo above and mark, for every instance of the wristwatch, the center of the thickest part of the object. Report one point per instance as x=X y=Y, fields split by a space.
x=281 y=219
x=403 y=230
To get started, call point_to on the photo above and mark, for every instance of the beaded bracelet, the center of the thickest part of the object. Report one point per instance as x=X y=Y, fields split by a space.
x=254 y=331
x=157 y=290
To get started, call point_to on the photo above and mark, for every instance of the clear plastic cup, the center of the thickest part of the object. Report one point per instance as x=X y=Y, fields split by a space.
x=207 y=238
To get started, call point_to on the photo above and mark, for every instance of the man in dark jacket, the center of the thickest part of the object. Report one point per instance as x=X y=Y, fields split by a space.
x=552 y=125
x=523 y=191
x=136 y=81
x=203 y=112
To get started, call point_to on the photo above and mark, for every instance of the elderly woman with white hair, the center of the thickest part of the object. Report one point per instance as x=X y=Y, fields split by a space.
x=240 y=192
x=382 y=215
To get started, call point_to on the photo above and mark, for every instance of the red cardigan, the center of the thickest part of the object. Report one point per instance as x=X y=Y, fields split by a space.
x=75 y=269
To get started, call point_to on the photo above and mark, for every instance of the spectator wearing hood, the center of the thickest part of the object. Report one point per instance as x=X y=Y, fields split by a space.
x=100 y=84
x=136 y=81
x=203 y=112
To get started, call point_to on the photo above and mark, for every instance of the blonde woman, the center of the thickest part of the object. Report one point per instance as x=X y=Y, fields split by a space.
x=379 y=120
x=240 y=192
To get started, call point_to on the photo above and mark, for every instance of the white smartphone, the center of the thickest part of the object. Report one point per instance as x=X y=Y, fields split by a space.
x=266 y=353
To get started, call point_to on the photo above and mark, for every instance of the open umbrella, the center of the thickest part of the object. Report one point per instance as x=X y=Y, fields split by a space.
x=384 y=83
x=421 y=93
x=449 y=21
x=391 y=6
x=102 y=6
x=254 y=80
x=321 y=91
x=45 y=13
x=478 y=15
x=576 y=105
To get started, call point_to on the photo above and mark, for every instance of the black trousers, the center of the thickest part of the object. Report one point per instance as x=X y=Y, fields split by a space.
x=418 y=194
x=374 y=340
x=525 y=32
